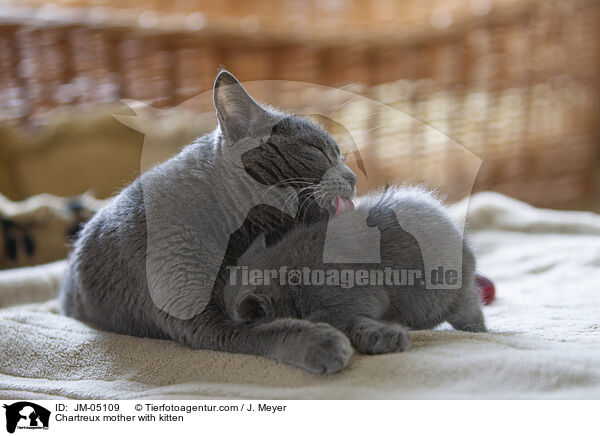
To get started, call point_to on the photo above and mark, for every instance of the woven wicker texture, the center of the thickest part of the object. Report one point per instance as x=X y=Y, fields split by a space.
x=517 y=83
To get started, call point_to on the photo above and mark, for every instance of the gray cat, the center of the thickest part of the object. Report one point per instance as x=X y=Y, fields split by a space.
x=152 y=262
x=374 y=314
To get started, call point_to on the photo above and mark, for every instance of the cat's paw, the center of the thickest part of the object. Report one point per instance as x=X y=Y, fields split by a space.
x=380 y=339
x=326 y=351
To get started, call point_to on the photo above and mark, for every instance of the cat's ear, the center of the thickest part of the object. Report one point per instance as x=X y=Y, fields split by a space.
x=252 y=308
x=237 y=112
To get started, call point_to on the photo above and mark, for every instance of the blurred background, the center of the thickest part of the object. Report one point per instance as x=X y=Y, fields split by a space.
x=515 y=82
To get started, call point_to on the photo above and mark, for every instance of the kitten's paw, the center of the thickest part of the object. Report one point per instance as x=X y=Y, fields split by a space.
x=380 y=339
x=326 y=351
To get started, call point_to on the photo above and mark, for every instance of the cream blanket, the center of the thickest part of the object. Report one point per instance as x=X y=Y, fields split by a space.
x=544 y=339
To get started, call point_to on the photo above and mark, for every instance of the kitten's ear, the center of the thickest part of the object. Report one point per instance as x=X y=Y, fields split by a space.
x=252 y=308
x=236 y=110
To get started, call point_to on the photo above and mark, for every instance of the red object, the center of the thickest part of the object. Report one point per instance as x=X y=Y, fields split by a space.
x=487 y=290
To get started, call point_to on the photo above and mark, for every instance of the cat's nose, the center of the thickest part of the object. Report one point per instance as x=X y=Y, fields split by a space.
x=350 y=177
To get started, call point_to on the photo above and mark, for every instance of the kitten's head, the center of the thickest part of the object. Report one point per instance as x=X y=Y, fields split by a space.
x=249 y=302
x=282 y=150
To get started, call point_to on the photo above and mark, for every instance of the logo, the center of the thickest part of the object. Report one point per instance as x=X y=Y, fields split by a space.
x=26 y=415
x=250 y=138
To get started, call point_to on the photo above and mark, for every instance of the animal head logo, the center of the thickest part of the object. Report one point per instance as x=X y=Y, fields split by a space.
x=26 y=415
x=246 y=126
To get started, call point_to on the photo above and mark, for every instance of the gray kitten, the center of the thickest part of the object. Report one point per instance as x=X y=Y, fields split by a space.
x=373 y=315
x=152 y=262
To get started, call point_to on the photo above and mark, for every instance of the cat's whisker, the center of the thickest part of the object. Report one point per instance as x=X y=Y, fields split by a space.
x=318 y=200
x=301 y=207
x=291 y=196
x=298 y=180
x=285 y=196
x=308 y=197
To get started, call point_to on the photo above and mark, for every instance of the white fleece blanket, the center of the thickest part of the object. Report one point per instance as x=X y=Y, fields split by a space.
x=543 y=342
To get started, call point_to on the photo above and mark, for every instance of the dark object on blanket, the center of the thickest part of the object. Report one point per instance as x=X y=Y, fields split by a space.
x=39 y=229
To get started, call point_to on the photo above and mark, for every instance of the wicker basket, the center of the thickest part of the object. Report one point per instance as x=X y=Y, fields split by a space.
x=517 y=83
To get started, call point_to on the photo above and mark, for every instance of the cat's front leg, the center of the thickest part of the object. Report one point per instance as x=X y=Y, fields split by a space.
x=370 y=336
x=315 y=347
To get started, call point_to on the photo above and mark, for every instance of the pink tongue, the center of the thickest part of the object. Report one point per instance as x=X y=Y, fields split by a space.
x=342 y=204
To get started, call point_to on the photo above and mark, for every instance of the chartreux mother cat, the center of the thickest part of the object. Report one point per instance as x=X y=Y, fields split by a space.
x=152 y=262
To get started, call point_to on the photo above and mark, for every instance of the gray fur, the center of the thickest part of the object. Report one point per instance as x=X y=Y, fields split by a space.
x=161 y=231
x=373 y=317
